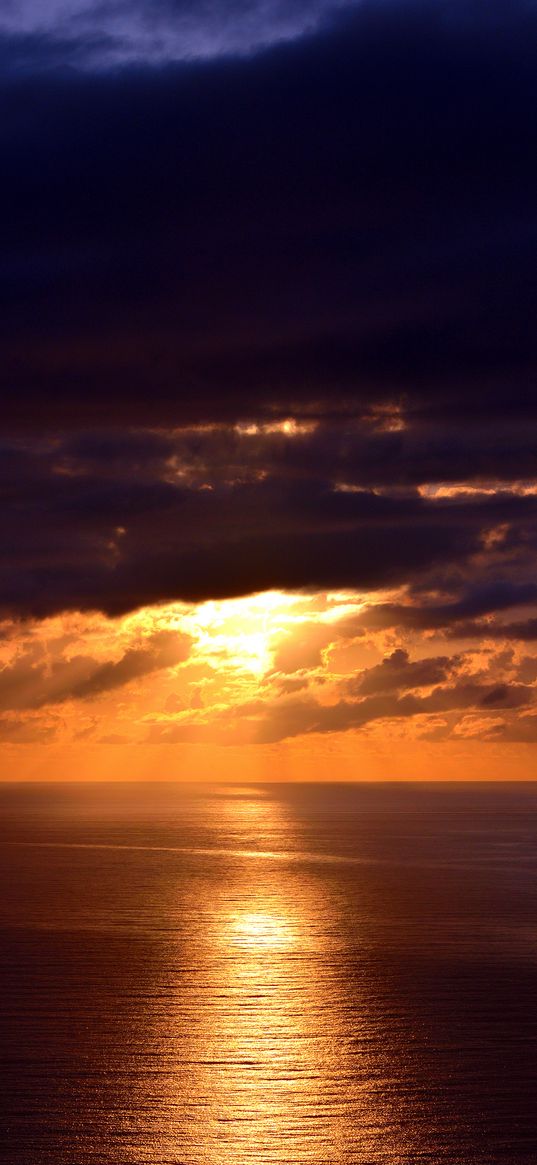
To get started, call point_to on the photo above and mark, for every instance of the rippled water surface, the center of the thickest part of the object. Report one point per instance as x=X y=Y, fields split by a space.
x=344 y=975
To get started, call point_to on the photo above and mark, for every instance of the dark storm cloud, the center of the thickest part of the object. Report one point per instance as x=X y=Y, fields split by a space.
x=483 y=598
x=341 y=229
x=364 y=453
x=523 y=629
x=344 y=219
x=116 y=520
x=76 y=536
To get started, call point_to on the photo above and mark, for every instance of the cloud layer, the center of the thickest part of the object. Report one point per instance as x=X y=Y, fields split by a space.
x=268 y=321
x=115 y=522
x=257 y=671
x=90 y=35
x=331 y=225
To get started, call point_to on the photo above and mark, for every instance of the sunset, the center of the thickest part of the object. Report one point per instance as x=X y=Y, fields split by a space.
x=268 y=588
x=274 y=686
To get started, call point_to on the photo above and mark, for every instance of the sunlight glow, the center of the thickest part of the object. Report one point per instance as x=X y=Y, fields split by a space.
x=287 y=428
x=207 y=674
x=259 y=930
x=243 y=632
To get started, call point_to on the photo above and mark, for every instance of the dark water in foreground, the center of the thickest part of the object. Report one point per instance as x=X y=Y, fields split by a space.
x=281 y=974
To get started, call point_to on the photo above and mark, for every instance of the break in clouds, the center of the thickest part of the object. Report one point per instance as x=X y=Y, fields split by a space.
x=90 y=35
x=268 y=323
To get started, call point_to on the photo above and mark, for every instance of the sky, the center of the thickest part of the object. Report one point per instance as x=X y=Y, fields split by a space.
x=268 y=450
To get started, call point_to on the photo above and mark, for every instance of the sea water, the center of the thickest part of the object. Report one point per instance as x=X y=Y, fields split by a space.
x=278 y=974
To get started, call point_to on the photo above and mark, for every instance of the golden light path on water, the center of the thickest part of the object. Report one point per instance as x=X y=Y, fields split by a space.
x=269 y=1057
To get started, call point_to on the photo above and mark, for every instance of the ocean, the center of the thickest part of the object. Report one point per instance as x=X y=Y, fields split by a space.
x=278 y=974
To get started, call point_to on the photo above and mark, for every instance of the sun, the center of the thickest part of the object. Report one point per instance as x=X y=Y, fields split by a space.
x=242 y=633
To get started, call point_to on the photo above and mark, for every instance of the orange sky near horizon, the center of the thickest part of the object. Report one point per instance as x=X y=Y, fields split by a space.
x=269 y=687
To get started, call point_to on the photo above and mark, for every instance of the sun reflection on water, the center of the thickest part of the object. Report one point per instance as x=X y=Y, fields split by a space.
x=257 y=931
x=266 y=1062
x=263 y=1044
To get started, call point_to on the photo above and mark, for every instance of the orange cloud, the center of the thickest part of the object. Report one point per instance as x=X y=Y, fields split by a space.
x=252 y=673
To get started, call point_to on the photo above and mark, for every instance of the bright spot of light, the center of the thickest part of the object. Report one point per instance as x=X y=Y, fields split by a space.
x=258 y=930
